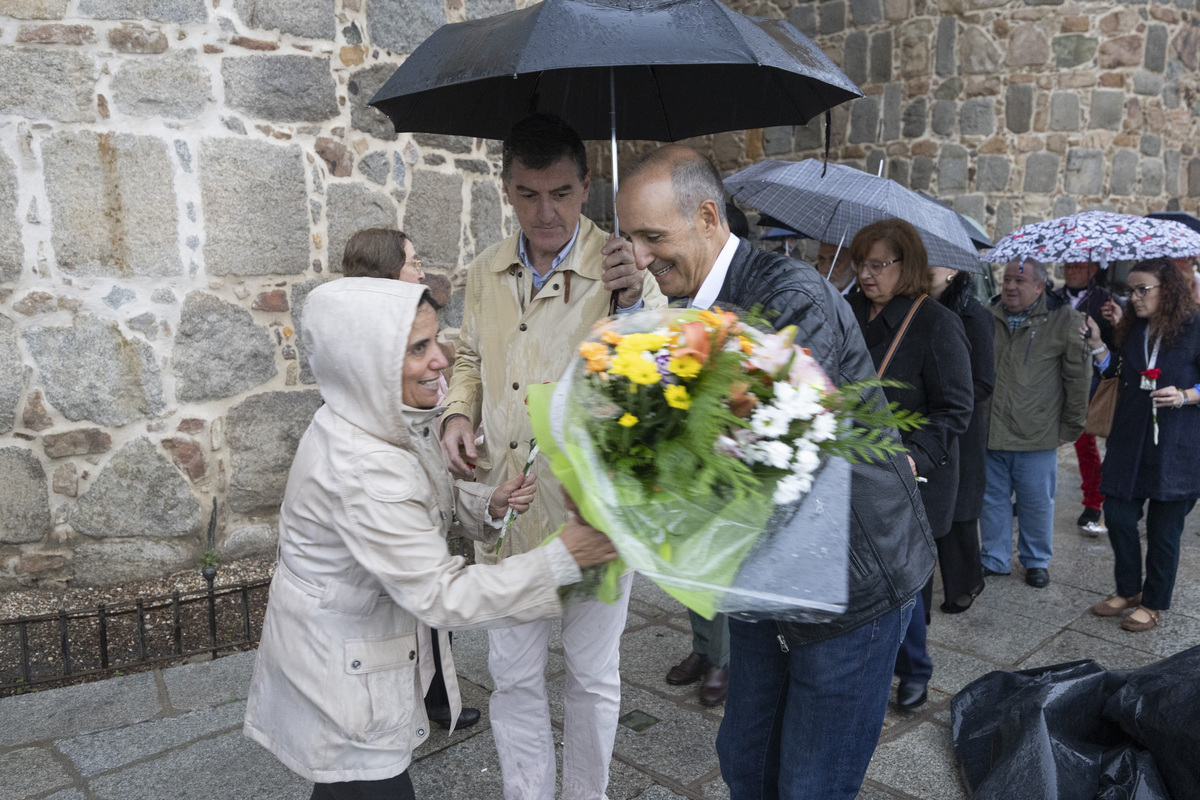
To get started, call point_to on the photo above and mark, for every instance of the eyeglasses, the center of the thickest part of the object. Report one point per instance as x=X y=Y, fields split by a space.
x=416 y=262
x=1139 y=291
x=875 y=267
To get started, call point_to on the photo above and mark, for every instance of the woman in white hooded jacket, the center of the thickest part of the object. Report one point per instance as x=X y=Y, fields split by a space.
x=363 y=572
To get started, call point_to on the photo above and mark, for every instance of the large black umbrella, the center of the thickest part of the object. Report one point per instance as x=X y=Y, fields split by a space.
x=666 y=69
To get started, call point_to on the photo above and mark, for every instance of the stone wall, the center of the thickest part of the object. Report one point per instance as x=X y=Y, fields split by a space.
x=175 y=177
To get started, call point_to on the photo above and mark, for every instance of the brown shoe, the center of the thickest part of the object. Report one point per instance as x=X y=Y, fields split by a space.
x=1115 y=604
x=690 y=670
x=716 y=683
x=1134 y=625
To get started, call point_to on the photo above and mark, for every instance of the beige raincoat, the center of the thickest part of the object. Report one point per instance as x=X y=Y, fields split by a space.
x=509 y=341
x=345 y=657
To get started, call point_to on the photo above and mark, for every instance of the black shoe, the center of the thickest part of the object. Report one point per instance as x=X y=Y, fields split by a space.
x=991 y=573
x=1037 y=577
x=1089 y=515
x=961 y=603
x=441 y=715
x=911 y=695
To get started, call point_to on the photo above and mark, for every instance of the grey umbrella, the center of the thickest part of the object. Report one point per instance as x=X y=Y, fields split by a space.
x=833 y=208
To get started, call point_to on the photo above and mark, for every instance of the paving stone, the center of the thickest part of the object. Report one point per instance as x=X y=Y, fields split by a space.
x=135 y=39
x=804 y=18
x=1193 y=177
x=75 y=710
x=971 y=205
x=979 y=54
x=231 y=765
x=914 y=123
x=777 y=141
x=24 y=497
x=174 y=86
x=352 y=207
x=865 y=12
x=35 y=9
x=401 y=25
x=1074 y=49
x=299 y=295
x=1018 y=107
x=647 y=655
x=952 y=670
x=947 y=31
x=160 y=10
x=139 y=493
x=208 y=684
x=362 y=86
x=1156 y=48
x=1004 y=223
x=375 y=167
x=1174 y=633
x=945 y=112
x=991 y=635
x=864 y=120
x=977 y=117
x=657 y=792
x=681 y=744
x=854 y=56
x=952 y=169
x=1064 y=111
x=1123 y=178
x=471 y=769
x=281 y=88
x=117 y=383
x=255 y=208
x=898 y=170
x=47 y=85
x=922 y=173
x=102 y=232
x=108 y=561
x=478 y=9
x=919 y=762
x=1123 y=51
x=10 y=232
x=311 y=18
x=486 y=216
x=893 y=95
x=262 y=432
x=1108 y=109
x=1084 y=172
x=831 y=16
x=1152 y=176
x=11 y=374
x=94 y=753
x=1147 y=83
x=1073 y=646
x=433 y=216
x=31 y=771
x=991 y=173
x=881 y=57
x=219 y=350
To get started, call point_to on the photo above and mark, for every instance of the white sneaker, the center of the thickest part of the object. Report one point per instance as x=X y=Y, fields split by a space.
x=1094 y=529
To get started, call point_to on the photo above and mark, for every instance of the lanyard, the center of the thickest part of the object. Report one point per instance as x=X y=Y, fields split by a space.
x=1150 y=356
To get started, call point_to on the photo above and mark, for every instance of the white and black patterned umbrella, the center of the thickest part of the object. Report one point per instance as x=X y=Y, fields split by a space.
x=1097 y=236
x=833 y=208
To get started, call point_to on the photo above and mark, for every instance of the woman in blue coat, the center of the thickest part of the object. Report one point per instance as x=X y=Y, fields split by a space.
x=1155 y=436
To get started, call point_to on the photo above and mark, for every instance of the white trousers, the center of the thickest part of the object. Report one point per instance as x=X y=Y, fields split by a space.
x=520 y=711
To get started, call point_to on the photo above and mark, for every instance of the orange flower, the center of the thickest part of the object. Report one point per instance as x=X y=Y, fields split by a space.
x=696 y=343
x=596 y=355
x=611 y=337
x=741 y=403
x=747 y=344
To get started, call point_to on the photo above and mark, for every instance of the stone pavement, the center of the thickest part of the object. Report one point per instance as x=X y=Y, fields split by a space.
x=175 y=734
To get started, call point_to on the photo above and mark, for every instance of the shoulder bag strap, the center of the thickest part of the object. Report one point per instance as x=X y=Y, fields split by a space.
x=912 y=311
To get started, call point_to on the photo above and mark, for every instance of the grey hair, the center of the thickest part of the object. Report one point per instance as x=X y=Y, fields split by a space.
x=1040 y=275
x=695 y=181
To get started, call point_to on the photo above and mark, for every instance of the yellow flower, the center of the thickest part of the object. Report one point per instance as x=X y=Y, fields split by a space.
x=596 y=355
x=637 y=369
x=629 y=420
x=677 y=397
x=686 y=367
x=747 y=344
x=611 y=337
x=637 y=343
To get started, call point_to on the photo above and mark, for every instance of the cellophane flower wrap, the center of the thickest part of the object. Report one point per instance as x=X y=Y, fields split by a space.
x=715 y=456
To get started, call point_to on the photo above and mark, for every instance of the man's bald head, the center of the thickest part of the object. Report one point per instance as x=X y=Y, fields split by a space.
x=693 y=177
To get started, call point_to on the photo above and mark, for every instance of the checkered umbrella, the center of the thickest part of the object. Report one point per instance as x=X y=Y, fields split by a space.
x=833 y=208
x=1099 y=236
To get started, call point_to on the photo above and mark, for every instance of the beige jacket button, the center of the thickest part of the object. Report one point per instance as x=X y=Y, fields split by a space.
x=412 y=654
x=355 y=664
x=513 y=445
x=523 y=327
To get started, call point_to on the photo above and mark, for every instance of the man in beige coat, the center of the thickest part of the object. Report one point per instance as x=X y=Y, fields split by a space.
x=530 y=300
x=346 y=651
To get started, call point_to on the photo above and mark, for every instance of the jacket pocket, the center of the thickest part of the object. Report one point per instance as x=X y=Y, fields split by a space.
x=382 y=690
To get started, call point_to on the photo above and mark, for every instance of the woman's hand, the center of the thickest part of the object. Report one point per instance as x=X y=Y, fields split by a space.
x=1169 y=397
x=1112 y=312
x=1091 y=333
x=516 y=493
x=587 y=545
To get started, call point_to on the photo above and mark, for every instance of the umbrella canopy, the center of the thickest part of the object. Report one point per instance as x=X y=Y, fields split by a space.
x=1176 y=216
x=1099 y=236
x=679 y=68
x=975 y=231
x=833 y=208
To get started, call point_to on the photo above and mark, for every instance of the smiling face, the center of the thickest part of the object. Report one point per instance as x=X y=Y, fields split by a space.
x=423 y=361
x=547 y=203
x=1021 y=288
x=411 y=272
x=679 y=252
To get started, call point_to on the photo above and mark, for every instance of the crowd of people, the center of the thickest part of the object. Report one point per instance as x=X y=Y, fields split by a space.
x=398 y=459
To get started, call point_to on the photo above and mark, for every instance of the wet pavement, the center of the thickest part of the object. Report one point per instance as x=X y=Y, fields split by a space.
x=175 y=734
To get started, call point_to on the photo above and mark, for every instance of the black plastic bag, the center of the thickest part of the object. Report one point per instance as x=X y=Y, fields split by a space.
x=1079 y=732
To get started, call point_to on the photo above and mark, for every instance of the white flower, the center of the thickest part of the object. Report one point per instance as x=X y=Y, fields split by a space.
x=824 y=428
x=729 y=446
x=770 y=421
x=806 y=463
x=774 y=453
x=791 y=488
x=798 y=402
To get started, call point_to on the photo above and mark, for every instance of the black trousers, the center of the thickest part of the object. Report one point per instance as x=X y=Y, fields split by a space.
x=436 y=696
x=958 y=559
x=397 y=788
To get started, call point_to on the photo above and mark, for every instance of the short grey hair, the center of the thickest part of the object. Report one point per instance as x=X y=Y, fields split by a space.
x=695 y=181
x=1040 y=275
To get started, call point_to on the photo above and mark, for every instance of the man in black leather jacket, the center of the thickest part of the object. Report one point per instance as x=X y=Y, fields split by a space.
x=818 y=691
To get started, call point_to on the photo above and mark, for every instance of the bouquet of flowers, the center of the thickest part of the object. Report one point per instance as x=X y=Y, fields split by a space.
x=714 y=454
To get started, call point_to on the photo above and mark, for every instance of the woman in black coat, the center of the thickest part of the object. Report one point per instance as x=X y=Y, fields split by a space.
x=1155 y=436
x=932 y=362
x=958 y=550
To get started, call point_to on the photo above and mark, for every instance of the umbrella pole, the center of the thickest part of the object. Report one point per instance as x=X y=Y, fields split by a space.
x=612 y=97
x=836 y=253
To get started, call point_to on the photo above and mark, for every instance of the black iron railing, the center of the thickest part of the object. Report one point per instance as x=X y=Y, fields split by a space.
x=72 y=645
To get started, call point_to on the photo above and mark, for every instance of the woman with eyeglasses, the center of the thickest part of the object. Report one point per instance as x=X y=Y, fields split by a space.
x=1149 y=464
x=931 y=362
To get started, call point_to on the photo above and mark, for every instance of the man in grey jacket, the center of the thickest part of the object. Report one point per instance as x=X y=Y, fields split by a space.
x=1042 y=377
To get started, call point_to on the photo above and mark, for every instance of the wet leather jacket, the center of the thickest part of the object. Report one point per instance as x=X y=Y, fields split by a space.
x=892 y=552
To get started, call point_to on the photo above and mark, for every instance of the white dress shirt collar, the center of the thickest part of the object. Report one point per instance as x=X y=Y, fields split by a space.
x=707 y=296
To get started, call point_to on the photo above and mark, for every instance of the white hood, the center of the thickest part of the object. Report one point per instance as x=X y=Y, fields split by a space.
x=355 y=334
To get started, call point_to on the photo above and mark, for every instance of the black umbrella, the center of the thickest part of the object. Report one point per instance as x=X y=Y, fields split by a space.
x=667 y=70
x=1177 y=216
